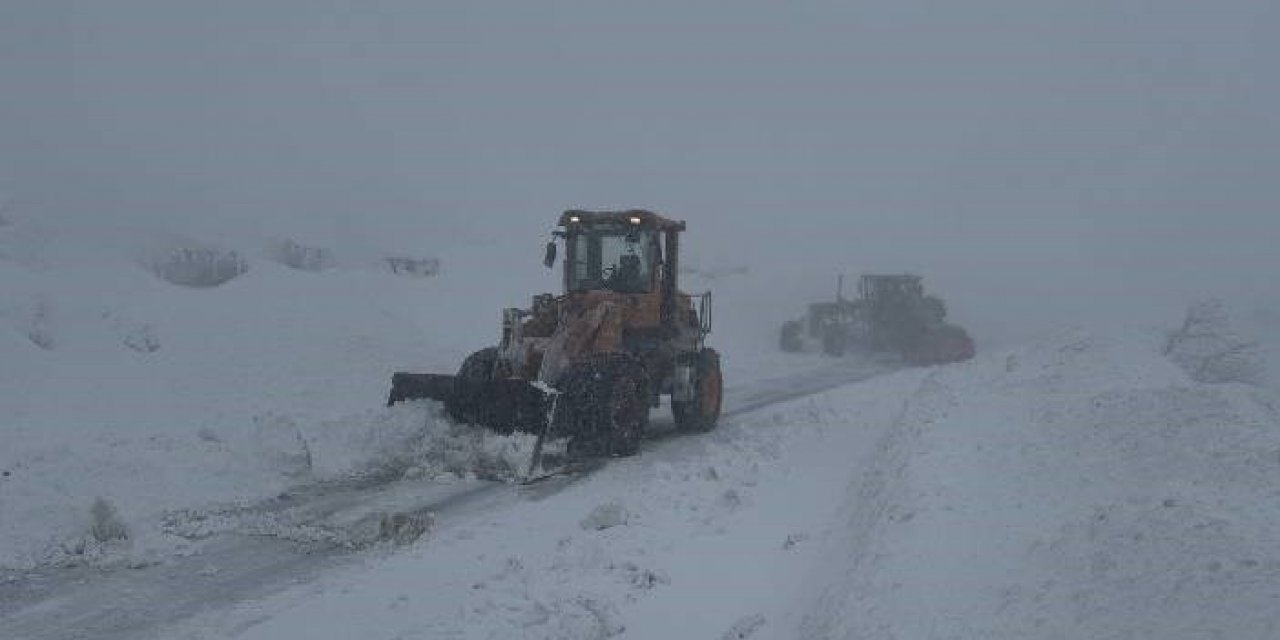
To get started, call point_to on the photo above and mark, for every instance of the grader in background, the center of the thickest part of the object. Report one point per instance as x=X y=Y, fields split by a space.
x=891 y=313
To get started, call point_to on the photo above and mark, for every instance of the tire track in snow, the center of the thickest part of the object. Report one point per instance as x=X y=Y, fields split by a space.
x=873 y=502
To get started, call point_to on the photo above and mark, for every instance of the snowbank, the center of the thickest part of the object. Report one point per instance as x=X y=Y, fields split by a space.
x=1082 y=488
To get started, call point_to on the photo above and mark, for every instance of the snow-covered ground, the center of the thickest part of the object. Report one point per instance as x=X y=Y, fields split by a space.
x=1078 y=486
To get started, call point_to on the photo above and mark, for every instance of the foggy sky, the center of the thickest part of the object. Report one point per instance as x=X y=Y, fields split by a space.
x=1104 y=146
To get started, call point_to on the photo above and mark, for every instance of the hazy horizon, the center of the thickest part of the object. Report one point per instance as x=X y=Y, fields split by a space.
x=1036 y=155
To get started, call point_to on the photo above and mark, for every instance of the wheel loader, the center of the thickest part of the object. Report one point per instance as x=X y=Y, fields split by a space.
x=891 y=313
x=589 y=364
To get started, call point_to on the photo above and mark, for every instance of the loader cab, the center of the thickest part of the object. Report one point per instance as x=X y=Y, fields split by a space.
x=622 y=258
x=634 y=253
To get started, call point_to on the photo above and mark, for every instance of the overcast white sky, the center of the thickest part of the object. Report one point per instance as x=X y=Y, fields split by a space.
x=1077 y=147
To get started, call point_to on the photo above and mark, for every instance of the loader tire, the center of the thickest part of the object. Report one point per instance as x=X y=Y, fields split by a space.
x=604 y=405
x=470 y=403
x=702 y=413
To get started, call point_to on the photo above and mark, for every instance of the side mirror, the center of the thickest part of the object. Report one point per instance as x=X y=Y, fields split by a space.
x=549 y=259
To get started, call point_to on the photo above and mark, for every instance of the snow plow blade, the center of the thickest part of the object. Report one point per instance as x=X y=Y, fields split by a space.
x=504 y=405
x=420 y=386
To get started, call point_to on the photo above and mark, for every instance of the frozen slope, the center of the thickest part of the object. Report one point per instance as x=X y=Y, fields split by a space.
x=1081 y=488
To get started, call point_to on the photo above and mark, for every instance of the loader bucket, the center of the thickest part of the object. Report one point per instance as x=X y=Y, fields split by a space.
x=501 y=404
x=504 y=405
x=418 y=386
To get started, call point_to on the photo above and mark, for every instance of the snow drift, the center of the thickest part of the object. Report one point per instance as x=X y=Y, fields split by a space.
x=1084 y=487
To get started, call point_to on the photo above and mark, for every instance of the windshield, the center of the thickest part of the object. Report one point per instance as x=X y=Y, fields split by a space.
x=617 y=258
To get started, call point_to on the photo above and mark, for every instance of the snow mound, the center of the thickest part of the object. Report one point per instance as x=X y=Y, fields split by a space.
x=1082 y=487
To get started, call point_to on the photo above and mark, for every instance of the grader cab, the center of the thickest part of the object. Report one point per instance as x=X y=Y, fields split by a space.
x=589 y=363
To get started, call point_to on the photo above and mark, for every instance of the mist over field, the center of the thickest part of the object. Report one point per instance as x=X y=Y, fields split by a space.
x=1032 y=159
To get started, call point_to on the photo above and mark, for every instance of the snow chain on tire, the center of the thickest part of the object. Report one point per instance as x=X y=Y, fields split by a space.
x=701 y=413
x=604 y=405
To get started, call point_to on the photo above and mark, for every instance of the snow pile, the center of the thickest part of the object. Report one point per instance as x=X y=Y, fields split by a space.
x=1081 y=488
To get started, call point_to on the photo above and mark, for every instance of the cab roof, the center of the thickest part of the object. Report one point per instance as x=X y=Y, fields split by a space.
x=640 y=217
